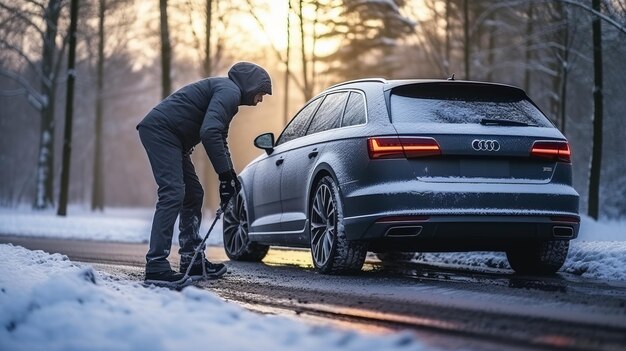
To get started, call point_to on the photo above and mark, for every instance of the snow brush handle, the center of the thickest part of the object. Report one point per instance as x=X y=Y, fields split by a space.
x=200 y=247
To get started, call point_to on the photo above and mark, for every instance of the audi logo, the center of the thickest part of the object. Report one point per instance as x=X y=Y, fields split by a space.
x=485 y=145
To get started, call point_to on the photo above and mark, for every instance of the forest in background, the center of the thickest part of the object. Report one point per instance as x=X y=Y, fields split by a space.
x=131 y=53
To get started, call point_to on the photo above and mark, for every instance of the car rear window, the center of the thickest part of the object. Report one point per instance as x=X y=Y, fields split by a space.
x=463 y=103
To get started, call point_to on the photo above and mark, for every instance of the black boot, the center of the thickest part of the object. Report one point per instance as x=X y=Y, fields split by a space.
x=213 y=270
x=168 y=279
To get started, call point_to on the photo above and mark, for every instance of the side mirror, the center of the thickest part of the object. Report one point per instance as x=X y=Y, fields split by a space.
x=265 y=142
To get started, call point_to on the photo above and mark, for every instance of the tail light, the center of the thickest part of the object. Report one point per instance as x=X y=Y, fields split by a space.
x=556 y=150
x=399 y=147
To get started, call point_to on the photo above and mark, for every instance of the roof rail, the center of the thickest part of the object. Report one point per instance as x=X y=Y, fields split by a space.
x=377 y=80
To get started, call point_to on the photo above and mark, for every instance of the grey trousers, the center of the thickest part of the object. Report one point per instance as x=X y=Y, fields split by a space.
x=179 y=192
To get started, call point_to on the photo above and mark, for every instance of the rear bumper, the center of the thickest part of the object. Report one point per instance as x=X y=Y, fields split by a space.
x=558 y=227
x=458 y=213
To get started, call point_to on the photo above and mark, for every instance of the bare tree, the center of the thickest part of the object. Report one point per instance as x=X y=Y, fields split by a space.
x=598 y=106
x=40 y=19
x=166 y=52
x=97 y=193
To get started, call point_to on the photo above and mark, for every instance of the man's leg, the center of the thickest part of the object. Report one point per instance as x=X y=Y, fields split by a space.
x=190 y=218
x=165 y=155
x=191 y=213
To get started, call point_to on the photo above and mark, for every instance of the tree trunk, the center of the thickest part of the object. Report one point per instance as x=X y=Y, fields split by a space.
x=308 y=92
x=97 y=193
x=69 y=113
x=44 y=193
x=166 y=52
x=211 y=198
x=596 y=156
x=207 y=38
x=447 y=62
x=529 y=43
x=491 y=55
x=564 y=69
x=466 y=39
x=286 y=101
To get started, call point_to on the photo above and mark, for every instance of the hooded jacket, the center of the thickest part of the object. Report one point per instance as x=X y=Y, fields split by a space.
x=202 y=111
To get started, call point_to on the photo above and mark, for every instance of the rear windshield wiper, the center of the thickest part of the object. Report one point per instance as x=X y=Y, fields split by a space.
x=504 y=122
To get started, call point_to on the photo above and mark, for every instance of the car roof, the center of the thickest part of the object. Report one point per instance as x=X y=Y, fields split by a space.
x=388 y=84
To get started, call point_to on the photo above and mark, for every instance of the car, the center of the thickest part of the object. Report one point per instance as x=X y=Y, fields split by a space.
x=402 y=166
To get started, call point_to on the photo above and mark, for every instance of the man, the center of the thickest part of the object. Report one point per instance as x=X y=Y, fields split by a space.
x=199 y=112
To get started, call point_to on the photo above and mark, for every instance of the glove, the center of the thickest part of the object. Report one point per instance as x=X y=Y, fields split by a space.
x=236 y=180
x=229 y=186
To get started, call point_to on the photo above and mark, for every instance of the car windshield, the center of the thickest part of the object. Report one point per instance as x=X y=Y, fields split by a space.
x=475 y=106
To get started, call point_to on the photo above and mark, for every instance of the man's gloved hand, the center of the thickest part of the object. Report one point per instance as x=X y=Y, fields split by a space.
x=229 y=186
x=236 y=180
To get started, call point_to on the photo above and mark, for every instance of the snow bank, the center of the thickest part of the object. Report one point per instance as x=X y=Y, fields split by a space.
x=49 y=303
x=589 y=259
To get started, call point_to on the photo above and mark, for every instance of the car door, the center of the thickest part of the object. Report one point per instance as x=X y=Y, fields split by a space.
x=267 y=177
x=300 y=161
x=267 y=208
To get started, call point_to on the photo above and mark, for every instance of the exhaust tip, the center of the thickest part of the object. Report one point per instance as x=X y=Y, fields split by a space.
x=404 y=231
x=563 y=232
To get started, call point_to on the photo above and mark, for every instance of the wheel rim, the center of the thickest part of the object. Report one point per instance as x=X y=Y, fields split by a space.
x=323 y=225
x=236 y=227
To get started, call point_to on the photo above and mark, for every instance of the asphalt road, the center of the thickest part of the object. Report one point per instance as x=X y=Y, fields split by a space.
x=446 y=308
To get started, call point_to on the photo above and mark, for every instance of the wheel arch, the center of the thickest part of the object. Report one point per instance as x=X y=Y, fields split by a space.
x=322 y=170
x=246 y=180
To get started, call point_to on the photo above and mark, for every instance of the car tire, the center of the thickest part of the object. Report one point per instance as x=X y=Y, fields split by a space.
x=331 y=251
x=393 y=257
x=237 y=244
x=543 y=257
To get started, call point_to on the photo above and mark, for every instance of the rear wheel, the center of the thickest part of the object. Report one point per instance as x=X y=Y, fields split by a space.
x=237 y=244
x=541 y=257
x=332 y=252
x=392 y=257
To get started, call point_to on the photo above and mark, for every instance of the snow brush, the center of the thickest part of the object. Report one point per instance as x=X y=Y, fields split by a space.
x=200 y=248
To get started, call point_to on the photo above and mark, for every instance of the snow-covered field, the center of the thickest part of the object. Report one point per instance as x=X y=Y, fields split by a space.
x=599 y=252
x=50 y=303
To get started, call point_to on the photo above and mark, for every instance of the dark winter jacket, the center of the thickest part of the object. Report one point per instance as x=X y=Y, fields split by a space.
x=202 y=111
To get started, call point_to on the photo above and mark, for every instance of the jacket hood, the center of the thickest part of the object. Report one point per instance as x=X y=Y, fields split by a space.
x=251 y=79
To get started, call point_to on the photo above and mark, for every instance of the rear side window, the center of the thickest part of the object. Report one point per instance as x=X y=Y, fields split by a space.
x=329 y=114
x=355 y=110
x=297 y=127
x=463 y=104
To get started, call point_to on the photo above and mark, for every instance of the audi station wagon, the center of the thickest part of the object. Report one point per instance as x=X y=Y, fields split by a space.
x=402 y=166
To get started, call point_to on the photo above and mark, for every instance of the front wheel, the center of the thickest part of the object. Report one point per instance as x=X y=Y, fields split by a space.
x=332 y=252
x=237 y=244
x=541 y=257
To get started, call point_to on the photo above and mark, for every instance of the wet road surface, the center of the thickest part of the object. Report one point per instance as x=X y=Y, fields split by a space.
x=449 y=308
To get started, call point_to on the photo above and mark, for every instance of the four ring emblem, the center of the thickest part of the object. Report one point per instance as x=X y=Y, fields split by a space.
x=485 y=145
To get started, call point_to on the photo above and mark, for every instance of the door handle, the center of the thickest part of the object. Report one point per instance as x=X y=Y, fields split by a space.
x=313 y=153
x=280 y=161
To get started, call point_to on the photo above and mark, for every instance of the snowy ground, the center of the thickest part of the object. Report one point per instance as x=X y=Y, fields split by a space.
x=50 y=303
x=599 y=252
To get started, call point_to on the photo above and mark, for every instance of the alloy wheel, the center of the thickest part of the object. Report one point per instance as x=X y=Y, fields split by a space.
x=323 y=225
x=236 y=227
x=237 y=243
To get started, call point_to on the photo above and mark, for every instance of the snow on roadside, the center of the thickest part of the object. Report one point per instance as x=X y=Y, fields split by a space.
x=125 y=225
x=589 y=259
x=48 y=302
x=599 y=252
